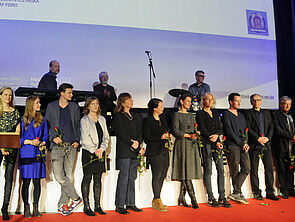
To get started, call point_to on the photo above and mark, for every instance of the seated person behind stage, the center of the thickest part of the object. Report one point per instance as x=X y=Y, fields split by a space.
x=199 y=88
x=108 y=95
x=48 y=81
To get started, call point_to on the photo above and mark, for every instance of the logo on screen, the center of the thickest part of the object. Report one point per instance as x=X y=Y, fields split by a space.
x=257 y=22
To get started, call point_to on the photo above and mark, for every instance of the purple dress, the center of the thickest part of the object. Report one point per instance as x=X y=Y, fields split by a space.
x=31 y=161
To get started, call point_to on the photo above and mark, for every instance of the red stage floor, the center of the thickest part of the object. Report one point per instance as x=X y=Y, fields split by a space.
x=283 y=210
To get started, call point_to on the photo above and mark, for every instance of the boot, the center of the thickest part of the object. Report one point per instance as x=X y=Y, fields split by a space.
x=88 y=211
x=163 y=204
x=27 y=212
x=190 y=189
x=4 y=211
x=36 y=212
x=99 y=210
x=96 y=193
x=181 y=198
x=157 y=205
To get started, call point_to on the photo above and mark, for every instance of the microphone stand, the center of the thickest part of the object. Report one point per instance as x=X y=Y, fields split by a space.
x=151 y=68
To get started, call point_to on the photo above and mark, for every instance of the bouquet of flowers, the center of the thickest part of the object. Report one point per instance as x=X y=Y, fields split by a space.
x=168 y=143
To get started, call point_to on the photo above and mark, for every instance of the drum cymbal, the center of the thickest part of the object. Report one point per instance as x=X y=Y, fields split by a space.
x=177 y=92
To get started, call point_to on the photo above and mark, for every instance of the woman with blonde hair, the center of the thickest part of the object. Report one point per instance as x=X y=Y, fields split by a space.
x=128 y=131
x=211 y=130
x=94 y=140
x=9 y=122
x=34 y=135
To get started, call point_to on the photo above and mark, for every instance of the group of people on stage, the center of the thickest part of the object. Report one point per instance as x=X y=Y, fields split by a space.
x=200 y=139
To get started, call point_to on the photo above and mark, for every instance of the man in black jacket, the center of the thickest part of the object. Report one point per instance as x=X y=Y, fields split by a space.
x=260 y=126
x=283 y=145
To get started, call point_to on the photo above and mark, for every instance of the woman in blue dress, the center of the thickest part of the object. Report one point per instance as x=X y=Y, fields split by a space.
x=34 y=135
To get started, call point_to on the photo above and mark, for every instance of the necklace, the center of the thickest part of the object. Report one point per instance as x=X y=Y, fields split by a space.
x=128 y=117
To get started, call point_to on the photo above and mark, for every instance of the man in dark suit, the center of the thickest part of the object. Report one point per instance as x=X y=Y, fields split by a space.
x=260 y=126
x=64 y=116
x=283 y=145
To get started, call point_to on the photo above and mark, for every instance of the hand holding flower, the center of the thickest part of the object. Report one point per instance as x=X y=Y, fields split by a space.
x=142 y=151
x=5 y=153
x=99 y=152
x=134 y=144
x=246 y=147
x=213 y=138
x=57 y=140
x=219 y=145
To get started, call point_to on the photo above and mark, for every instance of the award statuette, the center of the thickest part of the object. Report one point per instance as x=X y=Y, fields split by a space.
x=10 y=140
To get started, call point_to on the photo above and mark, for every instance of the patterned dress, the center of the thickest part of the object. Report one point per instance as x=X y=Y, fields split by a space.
x=8 y=123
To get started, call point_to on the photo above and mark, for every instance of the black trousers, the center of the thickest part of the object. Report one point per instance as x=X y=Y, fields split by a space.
x=238 y=158
x=268 y=170
x=285 y=175
x=159 y=164
x=9 y=162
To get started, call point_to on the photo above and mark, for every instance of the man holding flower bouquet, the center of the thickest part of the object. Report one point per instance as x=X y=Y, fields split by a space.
x=63 y=118
x=234 y=128
x=260 y=126
x=211 y=129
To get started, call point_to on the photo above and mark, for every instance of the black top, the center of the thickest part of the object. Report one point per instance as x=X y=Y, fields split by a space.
x=259 y=123
x=127 y=128
x=234 y=128
x=152 y=132
x=106 y=102
x=65 y=124
x=48 y=81
x=208 y=125
x=99 y=133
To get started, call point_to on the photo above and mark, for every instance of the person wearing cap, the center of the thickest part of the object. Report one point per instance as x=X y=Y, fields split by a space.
x=108 y=94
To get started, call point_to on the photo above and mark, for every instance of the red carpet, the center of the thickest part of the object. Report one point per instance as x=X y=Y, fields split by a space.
x=283 y=210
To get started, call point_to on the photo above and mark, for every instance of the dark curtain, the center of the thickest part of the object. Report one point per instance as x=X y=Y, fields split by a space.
x=285 y=36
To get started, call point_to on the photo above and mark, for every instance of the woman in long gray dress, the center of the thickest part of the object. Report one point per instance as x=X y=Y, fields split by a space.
x=186 y=158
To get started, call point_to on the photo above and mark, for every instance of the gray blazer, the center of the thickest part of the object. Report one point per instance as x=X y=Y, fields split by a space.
x=52 y=117
x=89 y=138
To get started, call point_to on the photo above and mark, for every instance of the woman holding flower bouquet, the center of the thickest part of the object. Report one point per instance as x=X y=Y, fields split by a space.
x=9 y=122
x=211 y=130
x=155 y=135
x=129 y=137
x=186 y=158
x=34 y=135
x=94 y=140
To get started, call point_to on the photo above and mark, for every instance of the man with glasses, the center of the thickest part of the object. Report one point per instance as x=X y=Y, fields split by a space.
x=199 y=88
x=260 y=126
x=283 y=145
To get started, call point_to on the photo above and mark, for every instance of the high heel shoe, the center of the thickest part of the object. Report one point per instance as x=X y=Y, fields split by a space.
x=190 y=189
